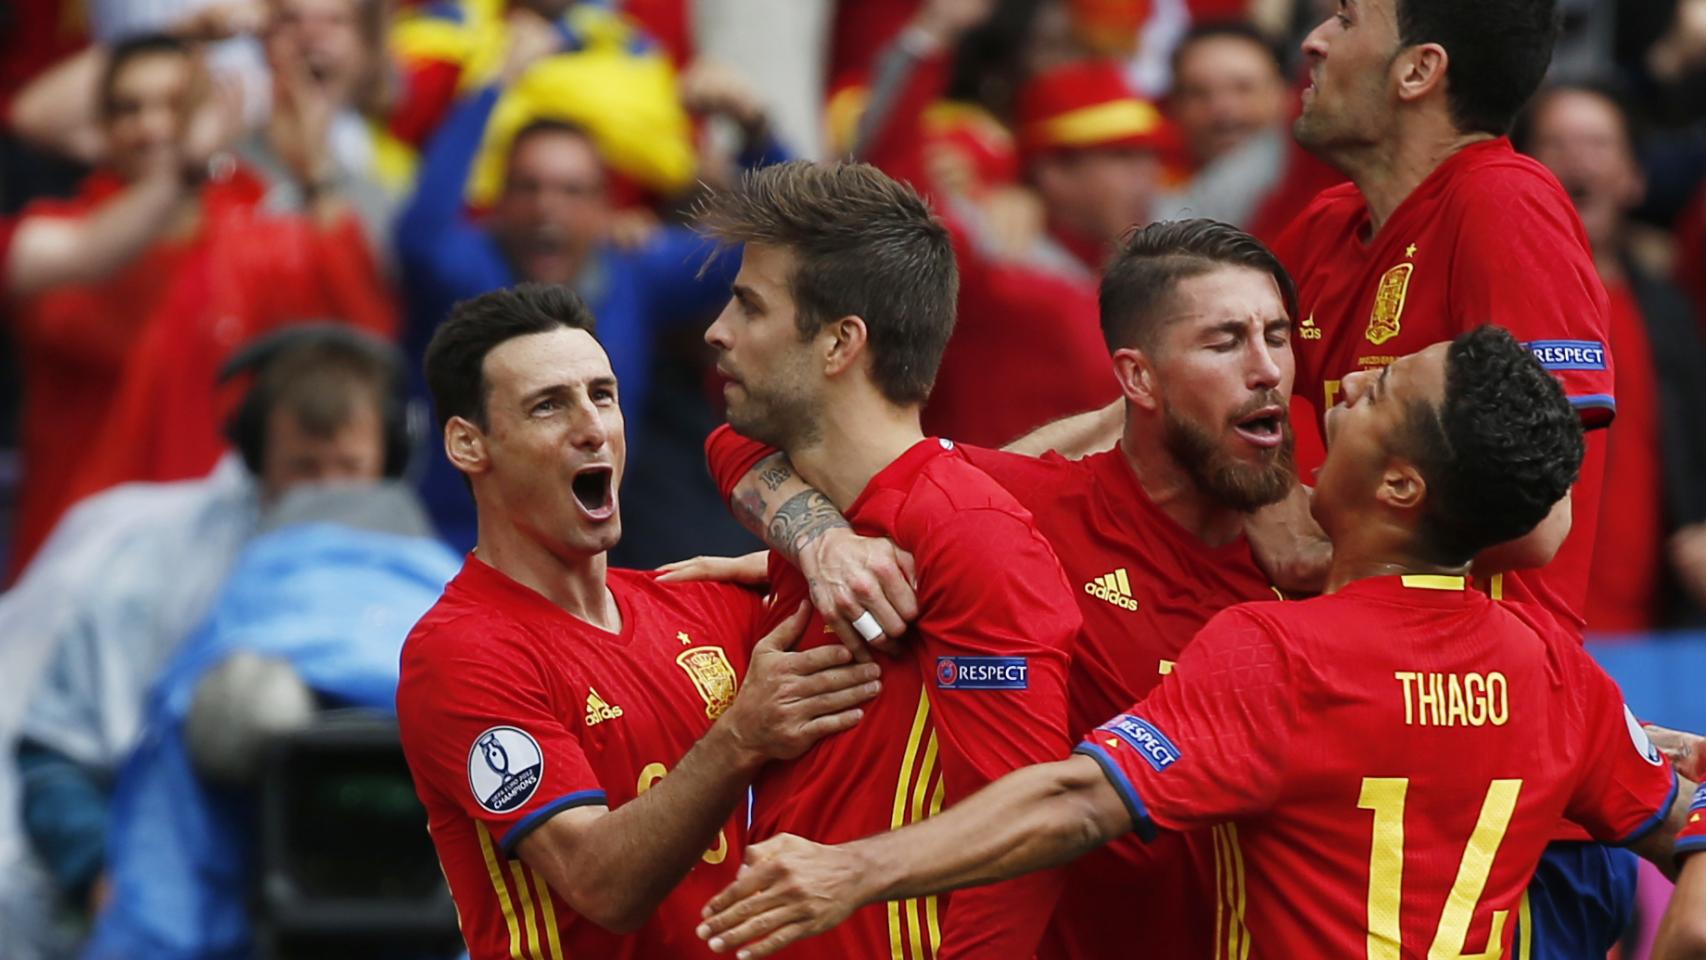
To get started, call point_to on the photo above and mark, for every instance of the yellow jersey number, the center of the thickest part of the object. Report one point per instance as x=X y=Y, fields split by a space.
x=649 y=777
x=1385 y=797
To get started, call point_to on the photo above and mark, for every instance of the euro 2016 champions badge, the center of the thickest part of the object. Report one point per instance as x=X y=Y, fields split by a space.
x=712 y=675
x=504 y=768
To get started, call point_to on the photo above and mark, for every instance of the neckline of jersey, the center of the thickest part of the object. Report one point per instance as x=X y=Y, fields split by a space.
x=1429 y=186
x=483 y=578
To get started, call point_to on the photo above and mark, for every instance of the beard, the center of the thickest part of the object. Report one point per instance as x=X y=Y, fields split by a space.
x=1244 y=487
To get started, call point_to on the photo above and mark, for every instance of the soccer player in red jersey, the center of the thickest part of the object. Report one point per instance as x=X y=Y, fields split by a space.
x=1329 y=742
x=1152 y=532
x=841 y=309
x=1443 y=227
x=582 y=737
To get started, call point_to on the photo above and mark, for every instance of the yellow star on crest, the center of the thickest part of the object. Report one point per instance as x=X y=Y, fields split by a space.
x=683 y=637
x=1410 y=251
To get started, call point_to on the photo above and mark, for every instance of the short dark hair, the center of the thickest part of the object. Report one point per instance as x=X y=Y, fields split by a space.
x=1152 y=260
x=1606 y=88
x=550 y=125
x=1498 y=452
x=456 y=357
x=1227 y=30
x=866 y=246
x=135 y=48
x=1499 y=52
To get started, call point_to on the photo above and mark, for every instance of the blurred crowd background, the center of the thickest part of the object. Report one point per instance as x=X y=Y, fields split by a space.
x=235 y=225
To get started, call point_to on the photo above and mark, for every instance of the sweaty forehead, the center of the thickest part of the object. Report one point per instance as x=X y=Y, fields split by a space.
x=563 y=356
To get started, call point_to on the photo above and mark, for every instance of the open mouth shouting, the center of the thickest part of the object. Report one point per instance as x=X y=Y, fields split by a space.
x=1263 y=428
x=594 y=489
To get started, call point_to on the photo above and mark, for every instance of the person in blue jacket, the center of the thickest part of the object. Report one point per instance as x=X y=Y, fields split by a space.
x=551 y=223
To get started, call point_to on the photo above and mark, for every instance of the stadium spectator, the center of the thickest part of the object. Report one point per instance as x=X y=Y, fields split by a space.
x=220 y=272
x=314 y=612
x=322 y=76
x=1230 y=103
x=842 y=307
x=1278 y=715
x=1656 y=451
x=551 y=224
x=595 y=728
x=132 y=571
x=1027 y=348
x=602 y=75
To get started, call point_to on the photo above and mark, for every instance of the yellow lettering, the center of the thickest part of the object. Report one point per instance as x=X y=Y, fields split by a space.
x=1331 y=388
x=1406 y=678
x=1475 y=691
x=1455 y=715
x=1498 y=705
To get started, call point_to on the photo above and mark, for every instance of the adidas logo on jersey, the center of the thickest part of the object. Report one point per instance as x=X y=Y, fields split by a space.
x=597 y=711
x=1114 y=588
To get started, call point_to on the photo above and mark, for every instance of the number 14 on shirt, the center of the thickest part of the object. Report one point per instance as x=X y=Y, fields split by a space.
x=1385 y=797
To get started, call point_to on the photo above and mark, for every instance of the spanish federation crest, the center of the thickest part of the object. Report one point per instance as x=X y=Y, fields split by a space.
x=1389 y=303
x=712 y=675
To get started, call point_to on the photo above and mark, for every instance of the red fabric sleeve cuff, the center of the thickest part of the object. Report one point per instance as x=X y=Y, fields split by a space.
x=731 y=456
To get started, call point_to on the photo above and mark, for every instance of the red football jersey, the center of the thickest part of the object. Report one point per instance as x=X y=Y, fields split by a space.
x=981 y=691
x=1376 y=749
x=1145 y=587
x=1691 y=838
x=512 y=711
x=1488 y=237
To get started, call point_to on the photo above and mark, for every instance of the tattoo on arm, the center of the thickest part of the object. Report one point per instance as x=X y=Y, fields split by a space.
x=776 y=473
x=801 y=519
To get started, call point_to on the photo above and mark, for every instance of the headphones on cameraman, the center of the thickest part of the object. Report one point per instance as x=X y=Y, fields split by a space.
x=403 y=420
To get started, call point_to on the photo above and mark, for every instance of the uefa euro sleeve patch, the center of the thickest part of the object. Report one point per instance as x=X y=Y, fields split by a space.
x=1643 y=744
x=1141 y=735
x=505 y=767
x=983 y=673
x=1569 y=354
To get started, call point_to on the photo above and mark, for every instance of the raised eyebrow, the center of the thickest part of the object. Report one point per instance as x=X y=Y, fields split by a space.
x=597 y=382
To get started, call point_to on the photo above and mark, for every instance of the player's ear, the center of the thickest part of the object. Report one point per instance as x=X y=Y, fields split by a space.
x=1420 y=70
x=1402 y=486
x=844 y=343
x=465 y=446
x=1136 y=374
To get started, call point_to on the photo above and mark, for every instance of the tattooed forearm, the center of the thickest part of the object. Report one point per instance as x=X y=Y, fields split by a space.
x=801 y=519
x=776 y=471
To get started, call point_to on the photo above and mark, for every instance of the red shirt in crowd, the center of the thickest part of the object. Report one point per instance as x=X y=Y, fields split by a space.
x=512 y=711
x=254 y=274
x=1488 y=237
x=1145 y=587
x=1382 y=798
x=1628 y=553
x=73 y=343
x=980 y=692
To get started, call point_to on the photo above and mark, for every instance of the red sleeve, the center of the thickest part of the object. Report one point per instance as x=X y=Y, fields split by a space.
x=1628 y=786
x=1204 y=747
x=1692 y=837
x=731 y=456
x=479 y=730
x=428 y=88
x=997 y=638
x=1539 y=282
x=896 y=142
x=1028 y=479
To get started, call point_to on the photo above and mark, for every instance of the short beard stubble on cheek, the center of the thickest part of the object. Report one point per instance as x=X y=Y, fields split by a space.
x=1241 y=486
